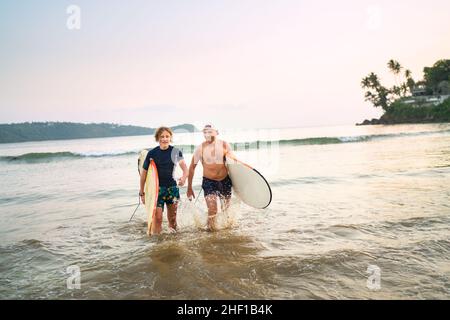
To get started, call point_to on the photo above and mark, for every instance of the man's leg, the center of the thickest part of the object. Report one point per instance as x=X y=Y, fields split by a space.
x=225 y=197
x=211 y=203
x=225 y=203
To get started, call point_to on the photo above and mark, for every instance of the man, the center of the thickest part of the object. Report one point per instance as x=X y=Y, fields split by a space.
x=216 y=182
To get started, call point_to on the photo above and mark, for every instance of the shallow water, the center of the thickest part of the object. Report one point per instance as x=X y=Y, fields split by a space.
x=344 y=199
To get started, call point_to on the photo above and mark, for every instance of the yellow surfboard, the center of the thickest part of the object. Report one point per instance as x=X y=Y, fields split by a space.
x=151 y=188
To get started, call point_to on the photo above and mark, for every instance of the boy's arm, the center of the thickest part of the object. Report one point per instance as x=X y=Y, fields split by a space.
x=142 y=185
x=183 y=167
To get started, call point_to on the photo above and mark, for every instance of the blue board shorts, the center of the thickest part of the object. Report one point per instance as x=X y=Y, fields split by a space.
x=221 y=188
x=168 y=195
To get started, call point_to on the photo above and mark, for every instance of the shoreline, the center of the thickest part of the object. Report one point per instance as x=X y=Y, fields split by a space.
x=401 y=113
x=375 y=122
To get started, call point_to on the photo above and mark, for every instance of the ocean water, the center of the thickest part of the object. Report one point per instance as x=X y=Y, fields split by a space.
x=357 y=213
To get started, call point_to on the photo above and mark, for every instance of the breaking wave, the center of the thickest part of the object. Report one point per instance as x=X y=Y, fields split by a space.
x=66 y=155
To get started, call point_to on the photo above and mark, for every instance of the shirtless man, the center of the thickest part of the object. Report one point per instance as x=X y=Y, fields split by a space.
x=216 y=182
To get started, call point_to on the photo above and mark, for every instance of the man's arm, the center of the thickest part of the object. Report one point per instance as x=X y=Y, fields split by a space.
x=190 y=192
x=228 y=151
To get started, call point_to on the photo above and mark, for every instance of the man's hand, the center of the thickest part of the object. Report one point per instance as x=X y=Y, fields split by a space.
x=182 y=181
x=190 y=194
x=142 y=195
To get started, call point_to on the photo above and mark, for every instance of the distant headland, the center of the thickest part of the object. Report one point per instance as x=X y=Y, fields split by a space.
x=41 y=131
x=408 y=101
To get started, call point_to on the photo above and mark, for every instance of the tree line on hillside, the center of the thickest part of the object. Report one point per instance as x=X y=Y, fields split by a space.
x=39 y=131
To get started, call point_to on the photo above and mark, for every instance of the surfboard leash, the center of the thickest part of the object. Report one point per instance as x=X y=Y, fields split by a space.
x=184 y=202
x=136 y=208
x=139 y=203
x=198 y=195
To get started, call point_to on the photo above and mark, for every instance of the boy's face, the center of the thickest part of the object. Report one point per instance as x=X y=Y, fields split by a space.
x=164 y=139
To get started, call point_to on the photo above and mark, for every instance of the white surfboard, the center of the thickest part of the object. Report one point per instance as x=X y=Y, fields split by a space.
x=250 y=186
x=151 y=188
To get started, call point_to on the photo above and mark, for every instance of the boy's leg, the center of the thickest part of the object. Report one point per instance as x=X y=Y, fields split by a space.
x=172 y=215
x=157 y=221
x=172 y=206
x=157 y=217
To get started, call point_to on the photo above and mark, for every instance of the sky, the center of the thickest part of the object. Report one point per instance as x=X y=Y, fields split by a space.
x=236 y=64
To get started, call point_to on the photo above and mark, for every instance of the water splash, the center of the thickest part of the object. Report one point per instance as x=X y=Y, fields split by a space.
x=195 y=215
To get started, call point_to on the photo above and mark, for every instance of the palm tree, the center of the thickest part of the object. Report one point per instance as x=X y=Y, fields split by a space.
x=410 y=83
x=408 y=73
x=376 y=93
x=370 y=82
x=395 y=67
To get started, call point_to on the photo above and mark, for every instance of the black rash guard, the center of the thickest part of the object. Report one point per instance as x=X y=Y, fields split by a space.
x=165 y=161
